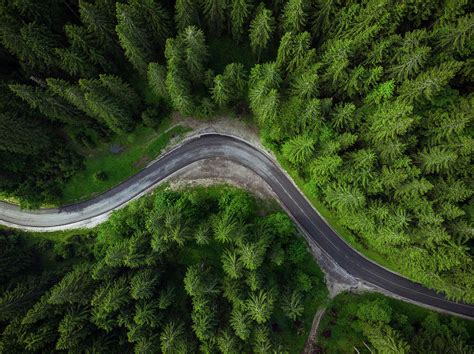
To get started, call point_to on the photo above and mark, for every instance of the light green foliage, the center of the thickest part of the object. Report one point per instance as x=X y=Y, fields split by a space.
x=156 y=75
x=142 y=284
x=299 y=149
x=195 y=51
x=260 y=306
x=294 y=15
x=261 y=30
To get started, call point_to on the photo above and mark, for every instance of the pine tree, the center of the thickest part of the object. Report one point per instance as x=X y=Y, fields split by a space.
x=457 y=35
x=75 y=287
x=411 y=63
x=299 y=149
x=427 y=84
x=157 y=79
x=186 y=14
x=214 y=13
x=260 y=306
x=141 y=46
x=172 y=338
x=306 y=84
x=32 y=43
x=146 y=314
x=109 y=109
x=251 y=255
x=294 y=15
x=391 y=120
x=71 y=93
x=231 y=264
x=261 y=30
x=240 y=322
x=239 y=14
x=143 y=283
x=336 y=60
x=83 y=44
x=344 y=198
x=99 y=18
x=227 y=342
x=220 y=91
x=52 y=106
x=437 y=159
x=73 y=329
x=195 y=51
x=22 y=134
x=177 y=87
x=75 y=63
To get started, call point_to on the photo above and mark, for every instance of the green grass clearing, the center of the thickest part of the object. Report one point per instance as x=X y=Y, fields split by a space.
x=139 y=147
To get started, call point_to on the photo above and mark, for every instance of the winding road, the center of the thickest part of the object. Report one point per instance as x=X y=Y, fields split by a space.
x=96 y=210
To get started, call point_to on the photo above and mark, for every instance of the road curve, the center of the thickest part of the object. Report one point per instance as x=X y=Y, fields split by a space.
x=216 y=145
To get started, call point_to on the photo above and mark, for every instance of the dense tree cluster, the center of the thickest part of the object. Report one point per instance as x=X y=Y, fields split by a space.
x=177 y=272
x=383 y=325
x=369 y=101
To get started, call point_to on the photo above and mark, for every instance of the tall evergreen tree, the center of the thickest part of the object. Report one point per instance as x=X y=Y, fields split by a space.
x=239 y=14
x=21 y=134
x=295 y=15
x=186 y=14
x=214 y=13
x=261 y=30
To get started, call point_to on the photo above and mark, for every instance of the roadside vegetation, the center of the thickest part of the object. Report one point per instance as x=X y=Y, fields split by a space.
x=111 y=163
x=372 y=323
x=200 y=269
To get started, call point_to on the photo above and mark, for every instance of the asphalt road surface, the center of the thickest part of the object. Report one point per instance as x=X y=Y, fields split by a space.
x=215 y=145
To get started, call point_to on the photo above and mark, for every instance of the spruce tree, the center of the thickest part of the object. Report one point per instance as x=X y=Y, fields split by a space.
x=239 y=14
x=295 y=15
x=186 y=14
x=214 y=13
x=22 y=134
x=261 y=30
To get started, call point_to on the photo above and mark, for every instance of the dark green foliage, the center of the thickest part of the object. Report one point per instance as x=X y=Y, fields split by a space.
x=182 y=297
x=385 y=325
x=369 y=102
x=142 y=29
x=112 y=101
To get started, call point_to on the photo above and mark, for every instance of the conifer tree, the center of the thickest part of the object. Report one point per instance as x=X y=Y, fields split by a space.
x=157 y=79
x=239 y=14
x=52 y=106
x=261 y=30
x=260 y=306
x=22 y=134
x=195 y=51
x=186 y=14
x=214 y=13
x=294 y=15
x=298 y=150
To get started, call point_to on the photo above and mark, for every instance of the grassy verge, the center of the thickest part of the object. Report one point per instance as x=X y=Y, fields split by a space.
x=337 y=332
x=138 y=148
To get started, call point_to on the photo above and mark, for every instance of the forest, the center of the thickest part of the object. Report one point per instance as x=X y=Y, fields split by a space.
x=368 y=102
x=372 y=323
x=176 y=272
